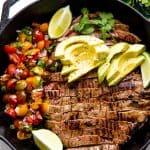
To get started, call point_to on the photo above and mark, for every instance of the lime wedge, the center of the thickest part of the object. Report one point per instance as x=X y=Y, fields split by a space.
x=145 y=70
x=47 y=140
x=60 y=22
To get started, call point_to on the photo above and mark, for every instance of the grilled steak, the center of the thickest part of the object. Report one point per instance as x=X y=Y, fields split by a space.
x=89 y=116
x=86 y=114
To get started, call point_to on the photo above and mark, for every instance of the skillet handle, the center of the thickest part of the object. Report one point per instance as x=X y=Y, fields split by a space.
x=5 y=12
x=8 y=10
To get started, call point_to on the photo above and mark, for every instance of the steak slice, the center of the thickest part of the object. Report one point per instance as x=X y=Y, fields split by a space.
x=88 y=116
x=99 y=147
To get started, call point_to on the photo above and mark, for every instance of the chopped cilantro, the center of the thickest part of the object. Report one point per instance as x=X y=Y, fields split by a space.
x=27 y=30
x=84 y=25
x=29 y=38
x=51 y=48
x=105 y=22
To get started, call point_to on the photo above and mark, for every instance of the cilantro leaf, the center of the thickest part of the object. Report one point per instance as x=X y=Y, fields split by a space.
x=105 y=22
x=107 y=16
x=88 y=29
x=83 y=21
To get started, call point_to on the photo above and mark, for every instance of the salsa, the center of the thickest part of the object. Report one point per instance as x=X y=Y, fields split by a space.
x=31 y=55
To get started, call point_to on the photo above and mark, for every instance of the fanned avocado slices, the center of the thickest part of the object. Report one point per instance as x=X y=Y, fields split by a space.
x=128 y=67
x=80 y=39
x=118 y=62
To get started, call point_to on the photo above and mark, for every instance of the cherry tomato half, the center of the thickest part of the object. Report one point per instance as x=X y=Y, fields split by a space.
x=12 y=100
x=28 y=120
x=11 y=84
x=10 y=112
x=11 y=69
x=14 y=58
x=21 y=96
x=37 y=36
x=10 y=49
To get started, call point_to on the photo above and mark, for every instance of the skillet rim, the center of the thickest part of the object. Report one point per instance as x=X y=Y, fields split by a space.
x=119 y=1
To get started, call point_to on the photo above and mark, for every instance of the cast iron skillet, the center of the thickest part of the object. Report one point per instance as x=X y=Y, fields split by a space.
x=41 y=11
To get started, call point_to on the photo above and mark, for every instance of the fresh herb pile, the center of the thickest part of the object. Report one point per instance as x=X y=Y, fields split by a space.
x=104 y=22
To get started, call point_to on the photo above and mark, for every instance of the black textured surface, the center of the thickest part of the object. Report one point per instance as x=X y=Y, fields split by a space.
x=5 y=144
x=41 y=12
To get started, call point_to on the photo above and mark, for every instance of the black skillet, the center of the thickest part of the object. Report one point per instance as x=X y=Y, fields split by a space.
x=41 y=11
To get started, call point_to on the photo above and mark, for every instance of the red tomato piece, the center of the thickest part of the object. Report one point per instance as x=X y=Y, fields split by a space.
x=37 y=36
x=21 y=96
x=22 y=57
x=28 y=120
x=6 y=98
x=47 y=43
x=37 y=118
x=25 y=73
x=11 y=84
x=13 y=100
x=10 y=112
x=17 y=124
x=10 y=49
x=14 y=58
x=11 y=69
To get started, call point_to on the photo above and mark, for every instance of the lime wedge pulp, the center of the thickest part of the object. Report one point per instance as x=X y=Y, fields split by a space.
x=145 y=70
x=60 y=22
x=47 y=140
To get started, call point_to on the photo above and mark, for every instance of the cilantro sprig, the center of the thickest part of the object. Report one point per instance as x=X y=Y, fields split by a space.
x=84 y=25
x=104 y=22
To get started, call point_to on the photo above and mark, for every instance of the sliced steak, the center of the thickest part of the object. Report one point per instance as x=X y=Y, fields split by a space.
x=85 y=113
x=99 y=147
x=126 y=36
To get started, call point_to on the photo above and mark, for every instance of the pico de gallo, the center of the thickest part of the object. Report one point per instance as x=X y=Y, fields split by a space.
x=31 y=57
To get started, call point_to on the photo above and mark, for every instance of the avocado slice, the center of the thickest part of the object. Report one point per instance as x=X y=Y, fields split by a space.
x=116 y=49
x=102 y=71
x=69 y=53
x=120 y=61
x=113 y=70
x=128 y=67
x=85 y=39
x=78 y=52
x=82 y=71
x=67 y=69
x=102 y=51
x=133 y=51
